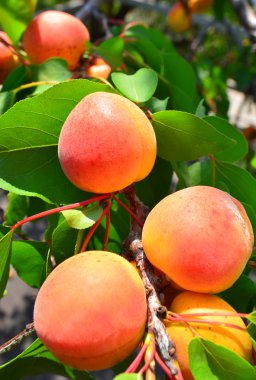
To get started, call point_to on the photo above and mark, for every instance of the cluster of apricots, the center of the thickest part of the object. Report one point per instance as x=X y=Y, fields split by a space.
x=179 y=15
x=53 y=34
x=201 y=238
x=91 y=311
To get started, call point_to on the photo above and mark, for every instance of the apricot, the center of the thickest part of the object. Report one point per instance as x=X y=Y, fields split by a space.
x=106 y=143
x=189 y=303
x=91 y=310
x=8 y=60
x=199 y=6
x=99 y=69
x=178 y=18
x=55 y=34
x=200 y=237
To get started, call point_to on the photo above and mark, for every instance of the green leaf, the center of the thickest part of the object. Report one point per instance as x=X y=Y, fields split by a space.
x=28 y=259
x=17 y=208
x=239 y=149
x=252 y=317
x=183 y=136
x=63 y=241
x=210 y=361
x=156 y=185
x=83 y=218
x=128 y=376
x=148 y=51
x=36 y=360
x=180 y=73
x=15 y=15
x=156 y=105
x=138 y=87
x=111 y=51
x=201 y=109
x=7 y=99
x=17 y=77
x=54 y=69
x=241 y=294
x=5 y=258
x=29 y=131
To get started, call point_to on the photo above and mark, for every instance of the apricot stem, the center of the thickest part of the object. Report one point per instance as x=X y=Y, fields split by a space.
x=79 y=241
x=14 y=51
x=136 y=362
x=34 y=84
x=149 y=354
x=94 y=227
x=222 y=314
x=58 y=209
x=166 y=369
x=129 y=211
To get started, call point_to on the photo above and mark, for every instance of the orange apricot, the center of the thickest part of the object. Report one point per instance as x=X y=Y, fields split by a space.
x=99 y=69
x=55 y=34
x=8 y=60
x=199 y=6
x=91 y=310
x=178 y=18
x=192 y=303
x=106 y=143
x=200 y=237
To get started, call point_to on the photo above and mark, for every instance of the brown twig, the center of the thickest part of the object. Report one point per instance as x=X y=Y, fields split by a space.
x=17 y=339
x=151 y=281
x=246 y=16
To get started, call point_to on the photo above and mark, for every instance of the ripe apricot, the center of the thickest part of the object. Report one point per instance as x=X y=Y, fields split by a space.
x=106 y=143
x=200 y=237
x=199 y=6
x=91 y=310
x=189 y=303
x=55 y=34
x=99 y=69
x=178 y=18
x=8 y=60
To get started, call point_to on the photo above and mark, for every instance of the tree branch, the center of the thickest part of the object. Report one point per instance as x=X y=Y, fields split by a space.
x=17 y=339
x=246 y=16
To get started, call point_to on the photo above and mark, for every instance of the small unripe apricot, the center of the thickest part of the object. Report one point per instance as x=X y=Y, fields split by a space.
x=55 y=34
x=106 y=143
x=99 y=69
x=199 y=6
x=8 y=60
x=200 y=237
x=192 y=303
x=91 y=310
x=178 y=18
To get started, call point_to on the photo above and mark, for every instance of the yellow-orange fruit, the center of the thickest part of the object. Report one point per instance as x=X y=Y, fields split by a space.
x=189 y=303
x=106 y=143
x=199 y=6
x=8 y=60
x=91 y=310
x=55 y=34
x=99 y=69
x=178 y=18
x=200 y=237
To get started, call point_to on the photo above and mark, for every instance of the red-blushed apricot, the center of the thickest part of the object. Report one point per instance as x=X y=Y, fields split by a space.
x=199 y=6
x=200 y=237
x=99 y=69
x=91 y=310
x=189 y=303
x=55 y=34
x=106 y=143
x=8 y=60
x=178 y=18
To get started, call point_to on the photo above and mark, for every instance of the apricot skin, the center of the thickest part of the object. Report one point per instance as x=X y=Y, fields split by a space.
x=99 y=69
x=189 y=302
x=199 y=6
x=200 y=237
x=8 y=61
x=55 y=34
x=106 y=143
x=91 y=310
x=178 y=18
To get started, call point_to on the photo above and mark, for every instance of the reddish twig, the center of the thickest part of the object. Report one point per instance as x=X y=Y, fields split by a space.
x=94 y=227
x=105 y=242
x=17 y=339
x=133 y=215
x=136 y=362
